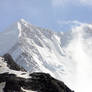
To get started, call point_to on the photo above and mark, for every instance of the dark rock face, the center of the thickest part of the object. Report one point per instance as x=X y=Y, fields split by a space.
x=43 y=82
x=11 y=63
x=13 y=83
x=40 y=82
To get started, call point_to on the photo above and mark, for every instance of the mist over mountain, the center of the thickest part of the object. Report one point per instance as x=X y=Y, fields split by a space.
x=65 y=55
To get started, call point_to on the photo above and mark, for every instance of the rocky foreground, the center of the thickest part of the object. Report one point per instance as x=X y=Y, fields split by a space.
x=40 y=82
x=13 y=78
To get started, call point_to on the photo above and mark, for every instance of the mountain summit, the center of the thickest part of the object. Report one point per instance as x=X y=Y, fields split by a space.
x=66 y=56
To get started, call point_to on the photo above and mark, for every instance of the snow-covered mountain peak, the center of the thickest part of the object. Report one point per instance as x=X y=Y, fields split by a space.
x=23 y=20
x=61 y=54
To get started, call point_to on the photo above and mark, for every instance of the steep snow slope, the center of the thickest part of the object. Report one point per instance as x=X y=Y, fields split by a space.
x=34 y=48
x=66 y=56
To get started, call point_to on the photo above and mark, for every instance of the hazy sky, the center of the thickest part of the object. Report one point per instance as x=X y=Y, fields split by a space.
x=58 y=15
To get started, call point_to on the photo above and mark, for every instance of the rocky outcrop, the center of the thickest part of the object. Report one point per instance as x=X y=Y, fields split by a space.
x=11 y=63
x=40 y=82
x=12 y=82
x=15 y=79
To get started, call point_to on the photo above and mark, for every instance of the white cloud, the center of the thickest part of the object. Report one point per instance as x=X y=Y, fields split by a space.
x=69 y=22
x=57 y=3
x=68 y=25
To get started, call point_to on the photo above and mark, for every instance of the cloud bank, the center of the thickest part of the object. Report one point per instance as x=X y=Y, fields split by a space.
x=70 y=24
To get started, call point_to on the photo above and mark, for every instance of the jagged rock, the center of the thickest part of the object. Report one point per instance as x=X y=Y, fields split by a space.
x=12 y=82
x=11 y=63
x=40 y=82
x=46 y=83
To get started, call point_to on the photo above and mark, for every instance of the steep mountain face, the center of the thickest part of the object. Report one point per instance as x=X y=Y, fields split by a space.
x=66 y=56
x=34 y=48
